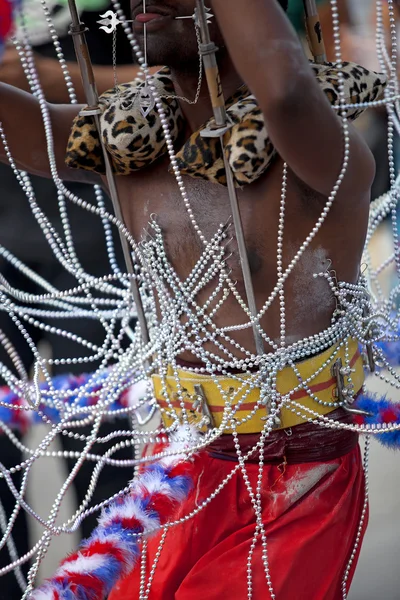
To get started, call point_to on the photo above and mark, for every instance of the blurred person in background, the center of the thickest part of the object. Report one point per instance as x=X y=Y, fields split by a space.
x=296 y=15
x=21 y=235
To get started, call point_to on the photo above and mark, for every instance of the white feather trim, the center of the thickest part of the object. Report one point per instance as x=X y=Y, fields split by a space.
x=181 y=442
x=153 y=483
x=112 y=538
x=137 y=392
x=132 y=507
x=45 y=593
x=82 y=564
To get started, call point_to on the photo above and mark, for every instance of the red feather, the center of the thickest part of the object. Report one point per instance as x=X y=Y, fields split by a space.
x=162 y=505
x=389 y=415
x=6 y=13
x=130 y=523
x=79 y=581
x=103 y=547
x=181 y=469
x=359 y=419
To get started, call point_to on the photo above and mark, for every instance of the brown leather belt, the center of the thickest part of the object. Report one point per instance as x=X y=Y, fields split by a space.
x=301 y=444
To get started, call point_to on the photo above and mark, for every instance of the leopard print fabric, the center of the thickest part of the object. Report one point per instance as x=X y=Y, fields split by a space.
x=134 y=141
x=247 y=145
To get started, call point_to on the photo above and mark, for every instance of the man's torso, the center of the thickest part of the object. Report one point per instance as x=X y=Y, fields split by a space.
x=309 y=300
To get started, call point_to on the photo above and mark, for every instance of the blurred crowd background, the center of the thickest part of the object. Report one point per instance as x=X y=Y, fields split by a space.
x=378 y=573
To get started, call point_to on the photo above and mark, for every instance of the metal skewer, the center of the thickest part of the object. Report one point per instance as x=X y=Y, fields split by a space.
x=208 y=12
x=77 y=30
x=109 y=20
x=222 y=124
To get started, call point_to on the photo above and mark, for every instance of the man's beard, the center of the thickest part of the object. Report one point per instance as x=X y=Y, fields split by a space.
x=163 y=51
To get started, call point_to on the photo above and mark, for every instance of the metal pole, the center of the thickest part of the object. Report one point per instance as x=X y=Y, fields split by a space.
x=222 y=125
x=314 y=31
x=77 y=30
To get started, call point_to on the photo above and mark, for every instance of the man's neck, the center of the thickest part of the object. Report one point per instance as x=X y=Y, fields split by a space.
x=186 y=85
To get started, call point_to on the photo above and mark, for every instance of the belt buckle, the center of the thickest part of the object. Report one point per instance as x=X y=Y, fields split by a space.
x=337 y=374
x=276 y=423
x=200 y=405
x=343 y=392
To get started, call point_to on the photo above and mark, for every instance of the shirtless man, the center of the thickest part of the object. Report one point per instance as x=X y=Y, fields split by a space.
x=258 y=47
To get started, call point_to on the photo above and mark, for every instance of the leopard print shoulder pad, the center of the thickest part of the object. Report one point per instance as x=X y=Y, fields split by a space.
x=135 y=139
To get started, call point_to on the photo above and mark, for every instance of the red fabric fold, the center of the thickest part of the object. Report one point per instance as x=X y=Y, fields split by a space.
x=311 y=514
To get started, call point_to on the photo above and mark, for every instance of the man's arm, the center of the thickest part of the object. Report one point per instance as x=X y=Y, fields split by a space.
x=301 y=123
x=23 y=126
x=52 y=79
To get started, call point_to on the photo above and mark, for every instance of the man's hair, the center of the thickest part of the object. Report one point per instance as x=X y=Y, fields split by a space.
x=284 y=4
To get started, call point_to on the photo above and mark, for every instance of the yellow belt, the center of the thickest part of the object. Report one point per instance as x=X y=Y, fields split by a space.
x=202 y=397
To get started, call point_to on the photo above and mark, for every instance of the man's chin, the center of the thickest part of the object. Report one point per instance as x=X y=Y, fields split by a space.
x=163 y=50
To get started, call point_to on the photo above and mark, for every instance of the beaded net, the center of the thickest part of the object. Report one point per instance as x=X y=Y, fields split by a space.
x=178 y=321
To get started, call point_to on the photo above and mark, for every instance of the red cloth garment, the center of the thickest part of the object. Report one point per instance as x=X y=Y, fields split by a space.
x=311 y=515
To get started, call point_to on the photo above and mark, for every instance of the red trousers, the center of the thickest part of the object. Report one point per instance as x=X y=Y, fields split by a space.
x=311 y=515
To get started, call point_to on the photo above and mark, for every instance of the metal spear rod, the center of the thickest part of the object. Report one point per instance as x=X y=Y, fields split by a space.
x=222 y=124
x=314 y=31
x=77 y=30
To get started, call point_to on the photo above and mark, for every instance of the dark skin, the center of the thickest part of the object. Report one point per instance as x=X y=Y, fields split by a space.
x=305 y=131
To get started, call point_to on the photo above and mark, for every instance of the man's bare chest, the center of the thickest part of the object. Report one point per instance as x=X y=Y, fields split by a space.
x=190 y=202
x=192 y=211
